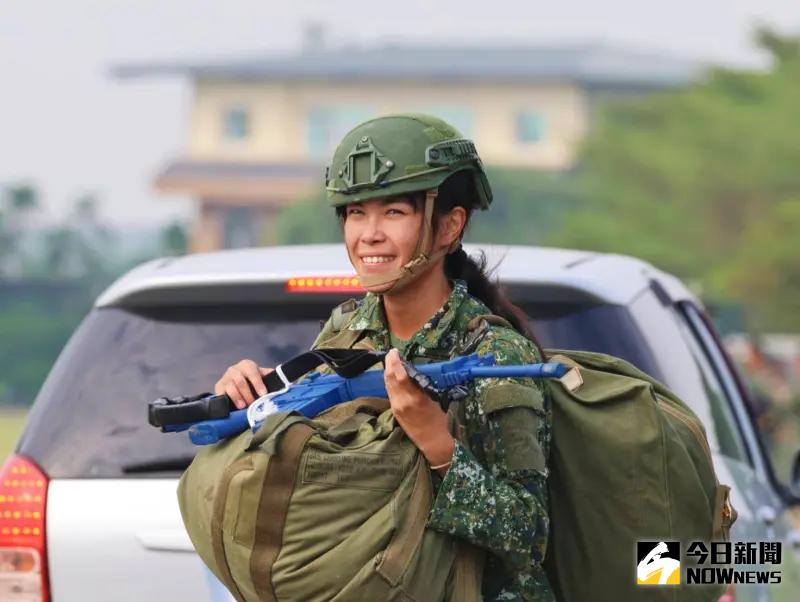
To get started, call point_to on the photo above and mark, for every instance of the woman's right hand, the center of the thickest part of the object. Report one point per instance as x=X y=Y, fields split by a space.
x=239 y=382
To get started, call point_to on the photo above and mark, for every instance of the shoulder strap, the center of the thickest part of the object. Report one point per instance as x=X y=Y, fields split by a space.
x=476 y=330
x=489 y=318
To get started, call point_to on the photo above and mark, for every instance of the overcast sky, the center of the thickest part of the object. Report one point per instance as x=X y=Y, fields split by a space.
x=66 y=126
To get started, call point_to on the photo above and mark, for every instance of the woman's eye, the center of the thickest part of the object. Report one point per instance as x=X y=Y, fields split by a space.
x=395 y=211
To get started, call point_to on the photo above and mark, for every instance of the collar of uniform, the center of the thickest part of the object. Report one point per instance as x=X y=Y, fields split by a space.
x=432 y=332
x=369 y=316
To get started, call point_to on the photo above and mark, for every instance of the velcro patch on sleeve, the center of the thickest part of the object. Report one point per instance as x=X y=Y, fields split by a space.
x=512 y=395
x=519 y=445
x=518 y=411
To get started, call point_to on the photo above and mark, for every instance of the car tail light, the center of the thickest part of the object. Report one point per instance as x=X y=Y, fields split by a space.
x=23 y=561
x=324 y=284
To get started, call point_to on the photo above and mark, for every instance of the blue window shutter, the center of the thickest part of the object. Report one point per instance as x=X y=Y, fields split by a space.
x=530 y=127
x=235 y=124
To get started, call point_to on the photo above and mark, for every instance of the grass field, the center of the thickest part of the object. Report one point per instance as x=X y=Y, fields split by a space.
x=11 y=423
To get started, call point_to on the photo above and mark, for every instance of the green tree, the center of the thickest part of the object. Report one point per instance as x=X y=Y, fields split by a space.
x=310 y=220
x=174 y=240
x=18 y=203
x=694 y=180
x=79 y=247
x=765 y=271
x=527 y=207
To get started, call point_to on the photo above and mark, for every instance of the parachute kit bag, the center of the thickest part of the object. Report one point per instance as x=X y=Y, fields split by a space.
x=629 y=462
x=332 y=508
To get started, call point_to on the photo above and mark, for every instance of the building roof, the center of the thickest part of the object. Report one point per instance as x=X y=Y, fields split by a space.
x=590 y=64
x=252 y=183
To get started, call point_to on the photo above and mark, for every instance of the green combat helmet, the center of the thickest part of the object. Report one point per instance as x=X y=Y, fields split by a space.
x=403 y=154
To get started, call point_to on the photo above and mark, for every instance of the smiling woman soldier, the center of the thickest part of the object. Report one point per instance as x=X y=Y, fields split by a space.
x=404 y=188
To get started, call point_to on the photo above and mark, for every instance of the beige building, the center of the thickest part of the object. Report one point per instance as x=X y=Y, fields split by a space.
x=261 y=130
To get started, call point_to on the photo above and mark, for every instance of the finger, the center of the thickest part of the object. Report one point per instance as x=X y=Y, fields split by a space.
x=243 y=385
x=397 y=369
x=389 y=373
x=265 y=371
x=233 y=393
x=391 y=363
x=393 y=360
x=253 y=374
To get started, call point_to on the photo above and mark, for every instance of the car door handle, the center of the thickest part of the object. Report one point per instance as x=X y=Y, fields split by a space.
x=166 y=540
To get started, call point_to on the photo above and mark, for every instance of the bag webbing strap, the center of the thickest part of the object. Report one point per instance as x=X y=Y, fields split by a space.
x=398 y=554
x=217 y=535
x=274 y=505
x=273 y=428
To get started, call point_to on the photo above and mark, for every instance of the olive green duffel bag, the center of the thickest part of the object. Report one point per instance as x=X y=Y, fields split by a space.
x=629 y=463
x=327 y=509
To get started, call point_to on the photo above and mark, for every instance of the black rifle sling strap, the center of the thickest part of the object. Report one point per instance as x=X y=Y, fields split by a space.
x=347 y=363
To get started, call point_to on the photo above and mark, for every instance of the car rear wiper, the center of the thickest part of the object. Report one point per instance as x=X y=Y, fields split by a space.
x=179 y=463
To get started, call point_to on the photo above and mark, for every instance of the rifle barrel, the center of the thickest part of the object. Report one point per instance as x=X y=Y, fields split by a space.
x=549 y=370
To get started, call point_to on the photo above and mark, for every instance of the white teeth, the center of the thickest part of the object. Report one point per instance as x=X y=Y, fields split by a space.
x=377 y=259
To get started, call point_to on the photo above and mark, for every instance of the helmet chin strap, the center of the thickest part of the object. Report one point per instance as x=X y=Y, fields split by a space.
x=418 y=264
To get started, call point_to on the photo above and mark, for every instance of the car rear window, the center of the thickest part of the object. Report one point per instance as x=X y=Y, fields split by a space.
x=592 y=327
x=89 y=419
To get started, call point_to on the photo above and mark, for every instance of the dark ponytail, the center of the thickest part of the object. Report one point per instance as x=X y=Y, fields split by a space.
x=457 y=191
x=461 y=266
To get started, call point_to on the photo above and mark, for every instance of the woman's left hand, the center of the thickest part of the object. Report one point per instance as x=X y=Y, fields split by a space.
x=420 y=417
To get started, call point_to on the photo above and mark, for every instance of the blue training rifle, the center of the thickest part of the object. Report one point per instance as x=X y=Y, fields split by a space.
x=318 y=392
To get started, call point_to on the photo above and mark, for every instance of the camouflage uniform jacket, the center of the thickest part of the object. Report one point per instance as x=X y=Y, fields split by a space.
x=494 y=494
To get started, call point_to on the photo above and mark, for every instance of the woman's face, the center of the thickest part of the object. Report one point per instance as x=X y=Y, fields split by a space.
x=381 y=234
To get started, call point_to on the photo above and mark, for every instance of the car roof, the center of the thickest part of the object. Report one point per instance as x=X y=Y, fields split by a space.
x=565 y=274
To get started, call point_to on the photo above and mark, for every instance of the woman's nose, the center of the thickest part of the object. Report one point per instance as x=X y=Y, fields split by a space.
x=373 y=232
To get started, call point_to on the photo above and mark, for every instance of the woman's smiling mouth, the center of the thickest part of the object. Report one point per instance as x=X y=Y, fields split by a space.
x=377 y=259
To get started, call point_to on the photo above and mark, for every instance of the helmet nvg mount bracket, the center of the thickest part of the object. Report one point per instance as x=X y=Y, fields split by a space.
x=398 y=155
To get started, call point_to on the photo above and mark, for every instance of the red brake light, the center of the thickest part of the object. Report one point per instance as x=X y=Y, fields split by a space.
x=324 y=284
x=23 y=561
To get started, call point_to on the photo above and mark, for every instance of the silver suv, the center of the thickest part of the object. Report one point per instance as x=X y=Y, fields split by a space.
x=87 y=504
